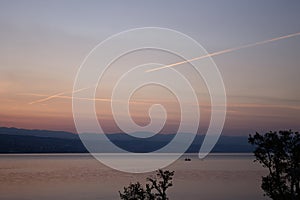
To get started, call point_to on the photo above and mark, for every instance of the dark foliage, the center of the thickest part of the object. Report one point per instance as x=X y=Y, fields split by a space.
x=133 y=192
x=280 y=154
x=155 y=189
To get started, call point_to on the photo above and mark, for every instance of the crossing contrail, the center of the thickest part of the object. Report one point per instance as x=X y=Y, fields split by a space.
x=61 y=94
x=225 y=51
x=57 y=95
x=81 y=98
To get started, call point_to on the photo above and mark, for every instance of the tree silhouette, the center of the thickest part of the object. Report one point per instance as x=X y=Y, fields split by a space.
x=133 y=192
x=155 y=189
x=280 y=154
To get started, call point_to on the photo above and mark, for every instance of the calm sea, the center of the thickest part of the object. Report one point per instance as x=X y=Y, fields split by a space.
x=80 y=176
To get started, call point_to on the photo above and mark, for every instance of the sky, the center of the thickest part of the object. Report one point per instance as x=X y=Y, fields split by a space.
x=43 y=44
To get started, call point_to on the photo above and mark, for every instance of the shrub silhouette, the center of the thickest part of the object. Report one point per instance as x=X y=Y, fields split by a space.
x=155 y=189
x=280 y=154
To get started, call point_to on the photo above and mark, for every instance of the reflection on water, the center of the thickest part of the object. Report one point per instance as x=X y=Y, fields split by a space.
x=80 y=176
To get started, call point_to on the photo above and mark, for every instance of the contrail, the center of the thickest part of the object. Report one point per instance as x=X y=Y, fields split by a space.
x=225 y=51
x=81 y=98
x=61 y=96
x=47 y=98
x=57 y=95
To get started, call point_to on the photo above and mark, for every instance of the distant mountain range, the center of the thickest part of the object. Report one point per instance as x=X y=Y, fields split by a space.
x=13 y=140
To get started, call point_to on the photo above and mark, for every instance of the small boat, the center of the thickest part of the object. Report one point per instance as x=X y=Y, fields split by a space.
x=187 y=159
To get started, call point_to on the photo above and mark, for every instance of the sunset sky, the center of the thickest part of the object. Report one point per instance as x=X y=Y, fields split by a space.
x=43 y=43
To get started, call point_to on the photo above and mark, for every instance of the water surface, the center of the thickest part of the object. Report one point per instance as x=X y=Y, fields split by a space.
x=80 y=176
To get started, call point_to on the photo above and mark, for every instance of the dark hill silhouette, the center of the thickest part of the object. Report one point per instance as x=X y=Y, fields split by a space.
x=38 y=133
x=13 y=140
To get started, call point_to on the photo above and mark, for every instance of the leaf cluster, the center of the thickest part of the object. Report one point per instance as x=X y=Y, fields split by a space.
x=279 y=152
x=155 y=188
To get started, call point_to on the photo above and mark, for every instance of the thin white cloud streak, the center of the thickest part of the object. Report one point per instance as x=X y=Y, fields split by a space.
x=58 y=95
x=79 y=98
x=226 y=51
x=230 y=106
